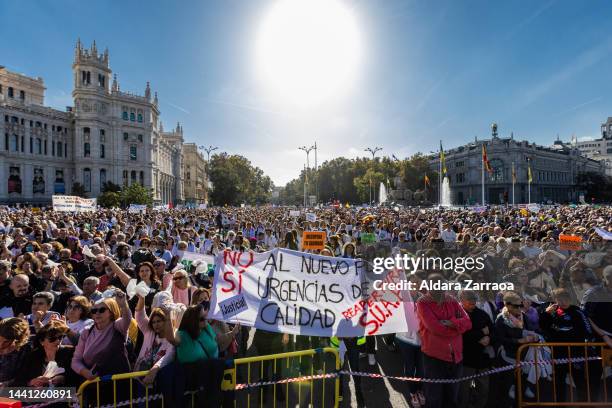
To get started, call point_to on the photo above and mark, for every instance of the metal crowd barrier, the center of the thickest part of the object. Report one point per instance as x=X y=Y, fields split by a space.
x=583 y=367
x=262 y=379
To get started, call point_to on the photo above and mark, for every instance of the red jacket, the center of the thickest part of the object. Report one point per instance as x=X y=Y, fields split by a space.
x=437 y=340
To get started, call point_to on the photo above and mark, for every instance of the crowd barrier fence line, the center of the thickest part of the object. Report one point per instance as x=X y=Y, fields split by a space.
x=229 y=382
x=586 y=354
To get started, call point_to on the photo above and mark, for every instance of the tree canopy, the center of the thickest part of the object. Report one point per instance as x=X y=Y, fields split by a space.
x=236 y=181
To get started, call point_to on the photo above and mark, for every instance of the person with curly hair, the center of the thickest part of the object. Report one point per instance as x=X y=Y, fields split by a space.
x=14 y=335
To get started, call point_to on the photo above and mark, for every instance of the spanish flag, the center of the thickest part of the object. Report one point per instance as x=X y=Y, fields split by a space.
x=427 y=182
x=529 y=177
x=442 y=159
x=485 y=160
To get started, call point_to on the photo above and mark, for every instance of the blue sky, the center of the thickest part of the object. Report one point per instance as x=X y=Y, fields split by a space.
x=431 y=71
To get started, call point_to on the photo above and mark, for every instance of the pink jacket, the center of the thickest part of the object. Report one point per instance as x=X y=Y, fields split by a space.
x=437 y=340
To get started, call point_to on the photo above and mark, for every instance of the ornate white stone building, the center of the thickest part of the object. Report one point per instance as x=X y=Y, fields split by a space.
x=109 y=135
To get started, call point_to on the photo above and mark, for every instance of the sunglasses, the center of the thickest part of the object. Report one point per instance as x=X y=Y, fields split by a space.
x=98 y=310
x=53 y=339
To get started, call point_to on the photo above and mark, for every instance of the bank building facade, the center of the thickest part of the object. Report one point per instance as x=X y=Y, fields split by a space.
x=555 y=171
x=108 y=135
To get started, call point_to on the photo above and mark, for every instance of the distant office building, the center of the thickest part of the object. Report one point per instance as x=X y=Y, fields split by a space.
x=194 y=175
x=554 y=171
x=598 y=149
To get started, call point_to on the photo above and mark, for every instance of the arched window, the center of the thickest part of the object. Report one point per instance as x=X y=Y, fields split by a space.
x=87 y=180
x=38 y=146
x=102 y=178
x=59 y=149
x=11 y=92
x=133 y=177
x=86 y=133
x=15 y=145
x=139 y=116
x=125 y=114
x=102 y=151
x=132 y=117
x=141 y=179
x=133 y=152
x=86 y=150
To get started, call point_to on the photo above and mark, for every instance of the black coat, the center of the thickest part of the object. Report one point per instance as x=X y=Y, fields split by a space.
x=34 y=365
x=473 y=352
x=507 y=336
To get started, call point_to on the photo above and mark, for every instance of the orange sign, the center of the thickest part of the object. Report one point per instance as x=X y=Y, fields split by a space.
x=313 y=240
x=570 y=242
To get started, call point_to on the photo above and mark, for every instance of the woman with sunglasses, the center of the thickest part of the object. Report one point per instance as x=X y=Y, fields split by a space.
x=182 y=290
x=510 y=333
x=77 y=318
x=102 y=348
x=47 y=348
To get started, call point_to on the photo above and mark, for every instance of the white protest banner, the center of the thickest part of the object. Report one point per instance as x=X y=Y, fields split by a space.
x=64 y=203
x=311 y=217
x=294 y=213
x=533 y=207
x=86 y=204
x=293 y=292
x=202 y=206
x=607 y=235
x=73 y=203
x=162 y=207
x=137 y=208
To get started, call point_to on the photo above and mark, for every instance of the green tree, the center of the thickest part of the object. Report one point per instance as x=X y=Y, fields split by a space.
x=136 y=194
x=109 y=186
x=236 y=181
x=597 y=187
x=109 y=199
x=78 y=190
x=370 y=180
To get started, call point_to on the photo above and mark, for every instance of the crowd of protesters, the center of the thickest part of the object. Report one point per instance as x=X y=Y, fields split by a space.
x=67 y=314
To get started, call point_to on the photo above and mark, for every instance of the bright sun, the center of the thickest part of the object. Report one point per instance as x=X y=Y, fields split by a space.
x=308 y=51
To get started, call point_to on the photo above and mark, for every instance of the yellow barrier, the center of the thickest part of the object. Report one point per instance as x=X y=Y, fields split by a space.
x=241 y=397
x=295 y=364
x=592 y=391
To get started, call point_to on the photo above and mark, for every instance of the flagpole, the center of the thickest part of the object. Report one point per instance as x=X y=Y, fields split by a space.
x=529 y=178
x=513 y=181
x=440 y=179
x=483 y=177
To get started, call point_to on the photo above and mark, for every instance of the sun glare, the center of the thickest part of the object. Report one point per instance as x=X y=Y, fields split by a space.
x=308 y=51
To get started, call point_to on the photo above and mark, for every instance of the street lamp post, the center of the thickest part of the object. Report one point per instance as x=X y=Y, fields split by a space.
x=208 y=151
x=307 y=150
x=373 y=151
